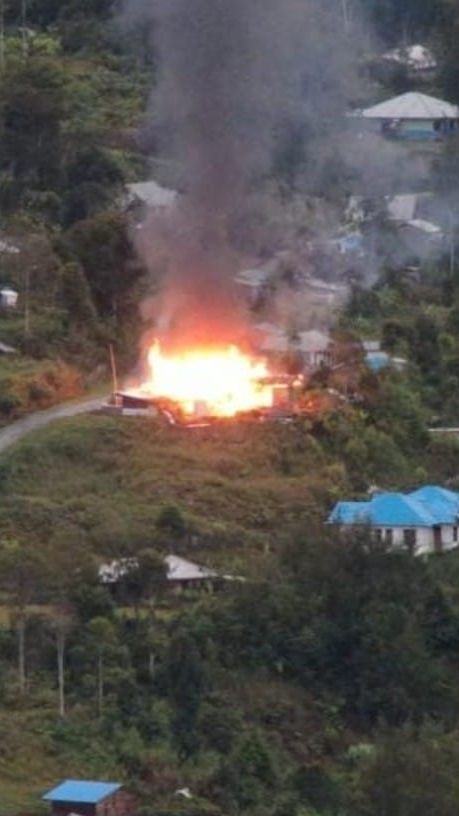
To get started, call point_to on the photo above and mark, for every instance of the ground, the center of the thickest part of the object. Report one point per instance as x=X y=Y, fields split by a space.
x=100 y=482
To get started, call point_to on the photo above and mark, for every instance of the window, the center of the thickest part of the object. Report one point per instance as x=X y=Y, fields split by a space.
x=389 y=537
x=409 y=540
x=455 y=535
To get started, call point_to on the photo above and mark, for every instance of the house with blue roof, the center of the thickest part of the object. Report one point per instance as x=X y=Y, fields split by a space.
x=82 y=797
x=422 y=522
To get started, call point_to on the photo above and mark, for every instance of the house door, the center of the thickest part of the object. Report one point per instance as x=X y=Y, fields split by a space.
x=409 y=540
x=438 y=544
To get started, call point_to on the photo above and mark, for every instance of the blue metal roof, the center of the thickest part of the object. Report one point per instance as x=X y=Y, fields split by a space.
x=350 y=513
x=442 y=503
x=377 y=360
x=79 y=791
x=426 y=507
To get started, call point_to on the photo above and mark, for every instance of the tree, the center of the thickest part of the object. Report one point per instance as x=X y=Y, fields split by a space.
x=145 y=577
x=21 y=569
x=76 y=295
x=185 y=680
x=171 y=521
x=102 y=247
x=62 y=623
x=101 y=640
x=31 y=111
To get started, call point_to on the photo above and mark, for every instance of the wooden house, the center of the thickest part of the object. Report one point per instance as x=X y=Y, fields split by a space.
x=81 y=797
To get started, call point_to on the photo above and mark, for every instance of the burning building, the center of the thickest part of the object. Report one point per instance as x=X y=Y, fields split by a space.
x=229 y=77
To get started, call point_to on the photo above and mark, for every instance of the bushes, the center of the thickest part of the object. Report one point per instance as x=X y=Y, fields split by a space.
x=27 y=386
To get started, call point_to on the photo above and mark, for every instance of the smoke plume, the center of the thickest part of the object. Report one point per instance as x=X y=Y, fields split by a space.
x=234 y=80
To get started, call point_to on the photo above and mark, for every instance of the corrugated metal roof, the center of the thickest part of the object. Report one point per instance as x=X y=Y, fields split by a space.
x=426 y=507
x=377 y=360
x=314 y=341
x=179 y=569
x=152 y=194
x=416 y=57
x=81 y=791
x=412 y=106
x=402 y=207
x=443 y=503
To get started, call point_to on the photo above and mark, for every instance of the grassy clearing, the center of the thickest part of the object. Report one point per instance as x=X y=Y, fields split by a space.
x=97 y=484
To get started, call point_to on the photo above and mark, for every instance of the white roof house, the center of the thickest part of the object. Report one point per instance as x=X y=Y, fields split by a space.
x=314 y=346
x=412 y=105
x=402 y=207
x=417 y=58
x=314 y=341
x=150 y=194
x=271 y=339
x=178 y=570
x=8 y=297
x=8 y=249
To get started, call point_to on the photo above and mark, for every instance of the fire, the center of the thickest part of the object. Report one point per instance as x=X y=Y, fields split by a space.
x=220 y=383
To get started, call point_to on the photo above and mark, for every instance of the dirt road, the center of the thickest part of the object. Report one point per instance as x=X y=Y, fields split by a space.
x=12 y=433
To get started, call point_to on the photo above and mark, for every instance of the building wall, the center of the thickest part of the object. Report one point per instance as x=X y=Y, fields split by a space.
x=425 y=538
x=79 y=808
x=120 y=803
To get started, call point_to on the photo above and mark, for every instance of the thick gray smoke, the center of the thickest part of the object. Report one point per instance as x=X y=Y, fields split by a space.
x=235 y=80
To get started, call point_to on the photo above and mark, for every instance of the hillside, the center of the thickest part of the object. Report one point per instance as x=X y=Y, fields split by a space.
x=250 y=500
x=314 y=670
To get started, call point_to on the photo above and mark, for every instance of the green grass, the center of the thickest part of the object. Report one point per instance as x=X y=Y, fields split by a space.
x=97 y=484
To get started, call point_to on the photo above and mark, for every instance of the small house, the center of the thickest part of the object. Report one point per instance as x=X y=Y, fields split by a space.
x=148 y=196
x=315 y=349
x=312 y=348
x=8 y=298
x=422 y=522
x=378 y=361
x=179 y=573
x=183 y=574
x=254 y=282
x=412 y=116
x=418 y=61
x=86 y=798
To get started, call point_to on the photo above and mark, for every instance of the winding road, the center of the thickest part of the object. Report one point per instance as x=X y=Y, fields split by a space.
x=14 y=432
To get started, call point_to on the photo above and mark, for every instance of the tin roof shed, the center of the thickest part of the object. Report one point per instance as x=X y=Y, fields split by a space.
x=412 y=105
x=81 y=791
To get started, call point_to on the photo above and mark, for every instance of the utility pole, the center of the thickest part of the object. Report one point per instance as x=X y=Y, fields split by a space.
x=114 y=371
x=27 y=303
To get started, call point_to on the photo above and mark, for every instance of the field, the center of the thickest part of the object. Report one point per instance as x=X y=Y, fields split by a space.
x=98 y=484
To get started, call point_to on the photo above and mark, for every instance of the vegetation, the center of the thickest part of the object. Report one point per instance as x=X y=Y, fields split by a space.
x=286 y=690
x=323 y=680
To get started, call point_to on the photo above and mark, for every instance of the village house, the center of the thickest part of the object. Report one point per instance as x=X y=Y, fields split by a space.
x=412 y=116
x=180 y=574
x=423 y=522
x=148 y=196
x=87 y=798
x=315 y=348
x=417 y=61
x=254 y=282
x=8 y=297
x=312 y=348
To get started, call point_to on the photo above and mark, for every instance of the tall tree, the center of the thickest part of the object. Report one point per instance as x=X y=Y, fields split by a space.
x=21 y=570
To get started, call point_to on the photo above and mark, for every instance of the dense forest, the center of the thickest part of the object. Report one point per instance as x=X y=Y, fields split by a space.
x=322 y=679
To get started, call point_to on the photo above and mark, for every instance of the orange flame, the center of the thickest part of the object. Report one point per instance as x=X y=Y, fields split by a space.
x=219 y=383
